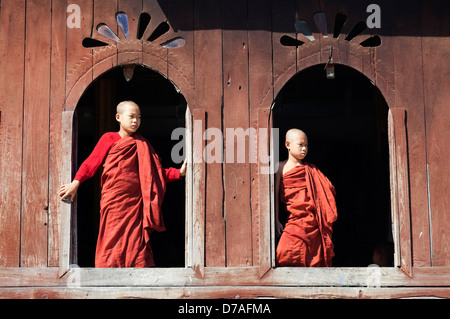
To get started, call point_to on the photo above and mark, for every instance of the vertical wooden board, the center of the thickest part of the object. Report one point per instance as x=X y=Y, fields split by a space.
x=208 y=96
x=384 y=60
x=435 y=50
x=237 y=207
x=401 y=185
x=260 y=98
x=409 y=94
x=68 y=216
x=284 y=63
x=154 y=56
x=153 y=8
x=133 y=9
x=393 y=189
x=129 y=49
x=105 y=13
x=12 y=41
x=79 y=58
x=198 y=193
x=58 y=64
x=309 y=52
x=181 y=60
x=34 y=222
x=356 y=12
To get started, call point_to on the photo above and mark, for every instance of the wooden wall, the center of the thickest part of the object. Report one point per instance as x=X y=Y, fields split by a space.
x=232 y=68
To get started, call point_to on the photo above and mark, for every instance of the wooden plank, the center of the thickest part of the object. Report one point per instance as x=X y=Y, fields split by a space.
x=399 y=145
x=79 y=58
x=153 y=8
x=260 y=100
x=309 y=53
x=198 y=192
x=209 y=89
x=393 y=188
x=284 y=63
x=57 y=98
x=105 y=58
x=411 y=98
x=226 y=276
x=437 y=115
x=12 y=39
x=236 y=173
x=79 y=75
x=128 y=48
x=67 y=213
x=34 y=221
x=105 y=14
x=180 y=61
x=133 y=9
x=265 y=195
x=189 y=191
x=227 y=293
x=154 y=56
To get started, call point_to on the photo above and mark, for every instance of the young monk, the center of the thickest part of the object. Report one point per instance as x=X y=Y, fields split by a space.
x=310 y=201
x=133 y=186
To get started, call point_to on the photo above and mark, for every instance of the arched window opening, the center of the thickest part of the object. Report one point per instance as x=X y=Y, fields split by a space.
x=163 y=109
x=346 y=120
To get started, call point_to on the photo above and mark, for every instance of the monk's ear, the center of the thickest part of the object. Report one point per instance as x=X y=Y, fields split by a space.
x=287 y=144
x=118 y=117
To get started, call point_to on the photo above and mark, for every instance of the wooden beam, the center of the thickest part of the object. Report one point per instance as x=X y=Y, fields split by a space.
x=398 y=148
x=209 y=97
x=35 y=182
x=225 y=276
x=12 y=49
x=224 y=293
x=236 y=168
x=198 y=192
x=66 y=212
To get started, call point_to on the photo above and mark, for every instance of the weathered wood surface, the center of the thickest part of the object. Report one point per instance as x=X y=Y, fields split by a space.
x=416 y=138
x=12 y=50
x=236 y=168
x=260 y=99
x=226 y=276
x=399 y=188
x=437 y=121
x=57 y=101
x=227 y=292
x=35 y=169
x=208 y=96
x=229 y=77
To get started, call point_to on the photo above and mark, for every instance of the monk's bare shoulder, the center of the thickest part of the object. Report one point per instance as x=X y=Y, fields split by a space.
x=281 y=166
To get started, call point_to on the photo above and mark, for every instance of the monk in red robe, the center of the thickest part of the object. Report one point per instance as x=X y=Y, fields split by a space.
x=133 y=187
x=310 y=202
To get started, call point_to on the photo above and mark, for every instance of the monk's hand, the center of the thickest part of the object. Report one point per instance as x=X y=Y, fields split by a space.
x=278 y=228
x=69 y=190
x=183 y=169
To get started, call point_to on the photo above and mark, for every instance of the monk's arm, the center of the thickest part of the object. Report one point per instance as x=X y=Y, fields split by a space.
x=173 y=174
x=89 y=166
x=278 y=224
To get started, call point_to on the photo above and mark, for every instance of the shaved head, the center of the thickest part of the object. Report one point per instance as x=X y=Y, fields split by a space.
x=121 y=107
x=294 y=133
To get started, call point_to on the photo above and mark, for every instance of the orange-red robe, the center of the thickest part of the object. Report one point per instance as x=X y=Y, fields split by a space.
x=133 y=188
x=310 y=201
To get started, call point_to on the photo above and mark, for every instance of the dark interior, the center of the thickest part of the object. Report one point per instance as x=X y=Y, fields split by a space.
x=163 y=109
x=345 y=119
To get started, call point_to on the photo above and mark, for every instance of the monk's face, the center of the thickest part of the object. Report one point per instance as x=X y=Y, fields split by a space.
x=129 y=118
x=297 y=146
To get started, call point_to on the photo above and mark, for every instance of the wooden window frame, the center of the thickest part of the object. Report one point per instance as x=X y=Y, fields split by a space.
x=349 y=276
x=194 y=243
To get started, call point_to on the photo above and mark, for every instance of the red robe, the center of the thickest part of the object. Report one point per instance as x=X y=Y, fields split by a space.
x=310 y=200
x=133 y=187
